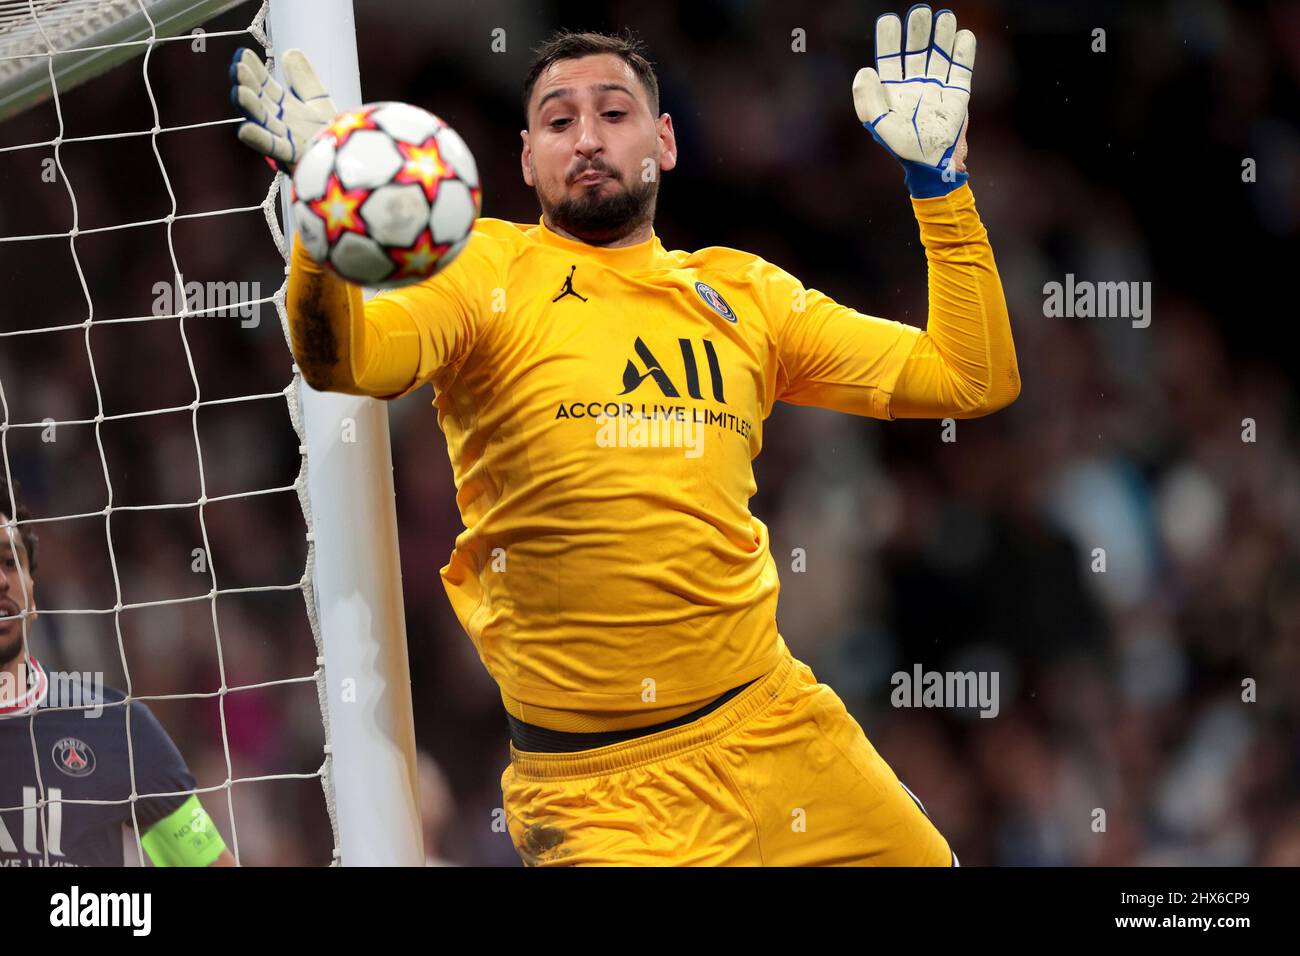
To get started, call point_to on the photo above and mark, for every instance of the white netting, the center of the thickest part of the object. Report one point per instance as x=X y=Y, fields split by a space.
x=55 y=26
x=30 y=27
x=89 y=36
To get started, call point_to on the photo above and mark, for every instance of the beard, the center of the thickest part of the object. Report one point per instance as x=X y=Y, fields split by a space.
x=601 y=217
x=11 y=647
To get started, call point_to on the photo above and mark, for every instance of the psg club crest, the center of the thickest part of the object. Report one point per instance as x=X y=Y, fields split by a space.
x=714 y=301
x=74 y=757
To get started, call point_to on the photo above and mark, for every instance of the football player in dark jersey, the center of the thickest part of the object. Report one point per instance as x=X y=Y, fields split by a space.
x=66 y=772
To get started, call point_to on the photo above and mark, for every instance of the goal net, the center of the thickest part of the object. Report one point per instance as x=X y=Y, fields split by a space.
x=183 y=482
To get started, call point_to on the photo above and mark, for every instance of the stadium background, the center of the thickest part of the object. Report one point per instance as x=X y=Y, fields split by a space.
x=1119 y=690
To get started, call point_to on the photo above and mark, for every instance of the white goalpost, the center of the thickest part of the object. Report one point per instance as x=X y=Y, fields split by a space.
x=358 y=589
x=351 y=582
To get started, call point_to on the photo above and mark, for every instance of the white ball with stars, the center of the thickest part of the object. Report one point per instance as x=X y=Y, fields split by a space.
x=386 y=195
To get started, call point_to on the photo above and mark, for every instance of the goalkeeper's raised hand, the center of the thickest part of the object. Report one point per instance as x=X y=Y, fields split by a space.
x=914 y=102
x=280 y=121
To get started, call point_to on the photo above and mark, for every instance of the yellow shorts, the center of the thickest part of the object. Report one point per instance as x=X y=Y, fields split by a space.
x=781 y=775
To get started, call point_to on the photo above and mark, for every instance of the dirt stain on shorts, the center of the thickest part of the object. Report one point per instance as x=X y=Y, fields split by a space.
x=541 y=844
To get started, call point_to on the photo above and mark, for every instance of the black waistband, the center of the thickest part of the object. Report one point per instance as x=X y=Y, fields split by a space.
x=534 y=739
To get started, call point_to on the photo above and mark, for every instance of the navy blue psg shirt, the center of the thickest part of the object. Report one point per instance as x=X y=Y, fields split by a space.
x=81 y=757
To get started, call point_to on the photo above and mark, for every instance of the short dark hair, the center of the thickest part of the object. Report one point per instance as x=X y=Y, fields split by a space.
x=569 y=45
x=25 y=531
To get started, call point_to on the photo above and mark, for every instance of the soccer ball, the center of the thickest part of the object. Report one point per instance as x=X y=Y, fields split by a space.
x=386 y=195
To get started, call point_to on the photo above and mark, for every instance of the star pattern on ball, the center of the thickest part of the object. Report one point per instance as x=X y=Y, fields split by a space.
x=419 y=258
x=422 y=163
x=347 y=124
x=339 y=209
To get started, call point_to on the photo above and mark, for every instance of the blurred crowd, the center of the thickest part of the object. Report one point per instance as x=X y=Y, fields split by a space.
x=1149 y=712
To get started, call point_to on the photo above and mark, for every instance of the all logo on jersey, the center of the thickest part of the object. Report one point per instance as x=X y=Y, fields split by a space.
x=715 y=301
x=665 y=419
x=74 y=757
x=633 y=376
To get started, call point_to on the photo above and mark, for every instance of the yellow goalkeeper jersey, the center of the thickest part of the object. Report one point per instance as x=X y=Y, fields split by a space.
x=602 y=408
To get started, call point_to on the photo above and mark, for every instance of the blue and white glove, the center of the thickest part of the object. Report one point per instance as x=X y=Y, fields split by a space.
x=915 y=106
x=280 y=122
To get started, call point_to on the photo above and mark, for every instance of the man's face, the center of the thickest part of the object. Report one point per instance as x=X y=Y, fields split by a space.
x=17 y=593
x=593 y=151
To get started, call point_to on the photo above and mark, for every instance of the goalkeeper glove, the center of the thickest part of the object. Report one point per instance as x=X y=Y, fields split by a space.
x=915 y=106
x=280 y=122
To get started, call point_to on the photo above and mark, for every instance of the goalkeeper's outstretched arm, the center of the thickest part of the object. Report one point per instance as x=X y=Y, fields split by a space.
x=915 y=106
x=382 y=348
x=344 y=344
x=964 y=364
x=400 y=339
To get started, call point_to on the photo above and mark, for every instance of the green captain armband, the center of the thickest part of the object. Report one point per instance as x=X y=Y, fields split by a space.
x=187 y=837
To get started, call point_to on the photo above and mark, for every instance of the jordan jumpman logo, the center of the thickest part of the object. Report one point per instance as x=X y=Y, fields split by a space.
x=568 y=287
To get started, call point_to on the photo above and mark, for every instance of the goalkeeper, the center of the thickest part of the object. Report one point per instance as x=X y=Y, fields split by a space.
x=623 y=597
